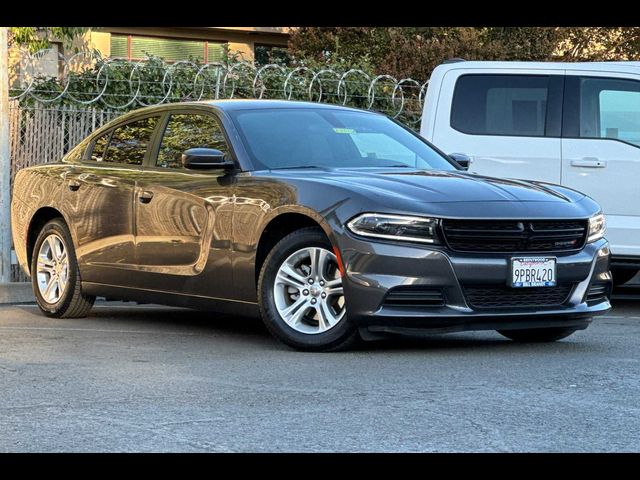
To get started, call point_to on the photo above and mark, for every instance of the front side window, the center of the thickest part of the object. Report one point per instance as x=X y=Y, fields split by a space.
x=129 y=143
x=514 y=105
x=610 y=108
x=185 y=131
x=309 y=137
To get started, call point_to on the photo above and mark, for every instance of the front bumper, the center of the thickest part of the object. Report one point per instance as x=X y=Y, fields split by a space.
x=373 y=269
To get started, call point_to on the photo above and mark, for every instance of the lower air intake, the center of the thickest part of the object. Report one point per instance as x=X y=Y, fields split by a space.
x=502 y=296
x=412 y=296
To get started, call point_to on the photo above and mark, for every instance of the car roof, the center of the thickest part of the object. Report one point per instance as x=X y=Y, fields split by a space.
x=254 y=104
x=228 y=105
x=611 y=66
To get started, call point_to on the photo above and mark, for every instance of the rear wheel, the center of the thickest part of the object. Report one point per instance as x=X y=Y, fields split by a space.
x=55 y=275
x=301 y=296
x=537 y=334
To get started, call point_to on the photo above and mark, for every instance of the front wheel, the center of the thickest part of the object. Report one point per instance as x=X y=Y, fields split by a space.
x=301 y=295
x=537 y=335
x=55 y=274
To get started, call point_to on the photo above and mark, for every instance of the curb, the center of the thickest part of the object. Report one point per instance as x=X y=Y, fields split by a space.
x=16 y=292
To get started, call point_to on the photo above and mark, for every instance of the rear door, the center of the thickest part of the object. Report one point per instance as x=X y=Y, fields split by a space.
x=99 y=196
x=507 y=123
x=183 y=217
x=601 y=150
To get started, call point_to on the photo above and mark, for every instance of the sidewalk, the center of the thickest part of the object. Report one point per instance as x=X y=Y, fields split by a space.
x=16 y=292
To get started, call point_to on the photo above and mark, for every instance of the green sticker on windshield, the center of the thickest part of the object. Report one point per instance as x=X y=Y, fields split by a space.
x=344 y=130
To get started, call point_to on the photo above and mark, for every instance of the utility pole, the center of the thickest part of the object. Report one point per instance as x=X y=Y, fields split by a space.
x=5 y=162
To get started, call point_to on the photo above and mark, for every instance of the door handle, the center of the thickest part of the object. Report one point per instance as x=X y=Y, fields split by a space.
x=145 y=197
x=74 y=185
x=589 y=162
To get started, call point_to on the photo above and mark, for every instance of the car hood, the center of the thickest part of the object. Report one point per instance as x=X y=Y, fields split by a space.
x=438 y=186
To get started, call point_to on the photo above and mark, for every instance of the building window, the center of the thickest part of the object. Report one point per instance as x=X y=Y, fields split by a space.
x=134 y=47
x=264 y=54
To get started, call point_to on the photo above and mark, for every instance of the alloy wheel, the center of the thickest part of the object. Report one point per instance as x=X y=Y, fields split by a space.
x=52 y=269
x=308 y=291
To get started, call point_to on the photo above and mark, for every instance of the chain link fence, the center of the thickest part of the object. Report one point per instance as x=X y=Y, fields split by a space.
x=57 y=101
x=42 y=135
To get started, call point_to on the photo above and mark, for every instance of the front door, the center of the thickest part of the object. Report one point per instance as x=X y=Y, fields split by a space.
x=183 y=217
x=601 y=151
x=507 y=124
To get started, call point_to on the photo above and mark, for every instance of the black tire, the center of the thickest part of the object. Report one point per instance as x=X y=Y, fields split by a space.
x=340 y=337
x=621 y=276
x=72 y=303
x=537 y=335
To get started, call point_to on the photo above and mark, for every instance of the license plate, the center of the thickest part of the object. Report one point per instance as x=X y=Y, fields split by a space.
x=533 y=272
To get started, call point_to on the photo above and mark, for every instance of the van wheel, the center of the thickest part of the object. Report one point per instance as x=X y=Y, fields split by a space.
x=55 y=275
x=301 y=296
x=537 y=335
x=621 y=276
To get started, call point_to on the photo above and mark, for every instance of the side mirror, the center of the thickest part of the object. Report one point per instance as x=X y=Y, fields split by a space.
x=204 y=158
x=461 y=159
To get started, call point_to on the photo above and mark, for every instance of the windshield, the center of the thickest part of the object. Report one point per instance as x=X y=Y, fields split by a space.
x=286 y=138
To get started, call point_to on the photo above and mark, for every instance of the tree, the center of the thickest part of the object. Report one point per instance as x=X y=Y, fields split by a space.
x=349 y=43
x=415 y=51
x=600 y=43
x=37 y=38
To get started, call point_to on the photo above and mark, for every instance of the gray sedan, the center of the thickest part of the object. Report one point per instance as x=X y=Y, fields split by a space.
x=334 y=224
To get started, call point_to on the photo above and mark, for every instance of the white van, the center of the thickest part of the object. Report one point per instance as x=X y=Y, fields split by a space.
x=574 y=124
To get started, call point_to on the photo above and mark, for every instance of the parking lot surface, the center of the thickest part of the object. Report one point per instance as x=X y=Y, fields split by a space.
x=148 y=378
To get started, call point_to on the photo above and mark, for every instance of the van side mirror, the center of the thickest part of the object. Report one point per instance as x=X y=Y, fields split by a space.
x=461 y=159
x=205 y=158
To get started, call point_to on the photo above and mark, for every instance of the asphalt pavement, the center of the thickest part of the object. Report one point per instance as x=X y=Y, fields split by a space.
x=147 y=378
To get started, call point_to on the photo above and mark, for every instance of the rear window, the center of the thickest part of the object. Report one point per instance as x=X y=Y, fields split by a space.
x=513 y=105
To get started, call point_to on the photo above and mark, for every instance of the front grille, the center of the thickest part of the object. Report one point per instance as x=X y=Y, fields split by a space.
x=502 y=296
x=598 y=292
x=414 y=296
x=514 y=235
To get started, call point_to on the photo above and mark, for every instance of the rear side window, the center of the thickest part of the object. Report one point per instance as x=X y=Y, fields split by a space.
x=100 y=147
x=128 y=144
x=610 y=108
x=513 y=105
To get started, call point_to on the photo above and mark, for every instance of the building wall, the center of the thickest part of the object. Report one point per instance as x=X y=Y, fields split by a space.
x=241 y=40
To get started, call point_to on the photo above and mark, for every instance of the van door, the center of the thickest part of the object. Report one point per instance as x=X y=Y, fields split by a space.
x=507 y=124
x=601 y=151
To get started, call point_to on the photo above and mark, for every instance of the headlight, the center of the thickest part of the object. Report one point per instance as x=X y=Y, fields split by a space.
x=395 y=227
x=597 y=227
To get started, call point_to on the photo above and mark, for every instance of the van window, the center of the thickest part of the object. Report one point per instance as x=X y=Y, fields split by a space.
x=610 y=108
x=500 y=105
